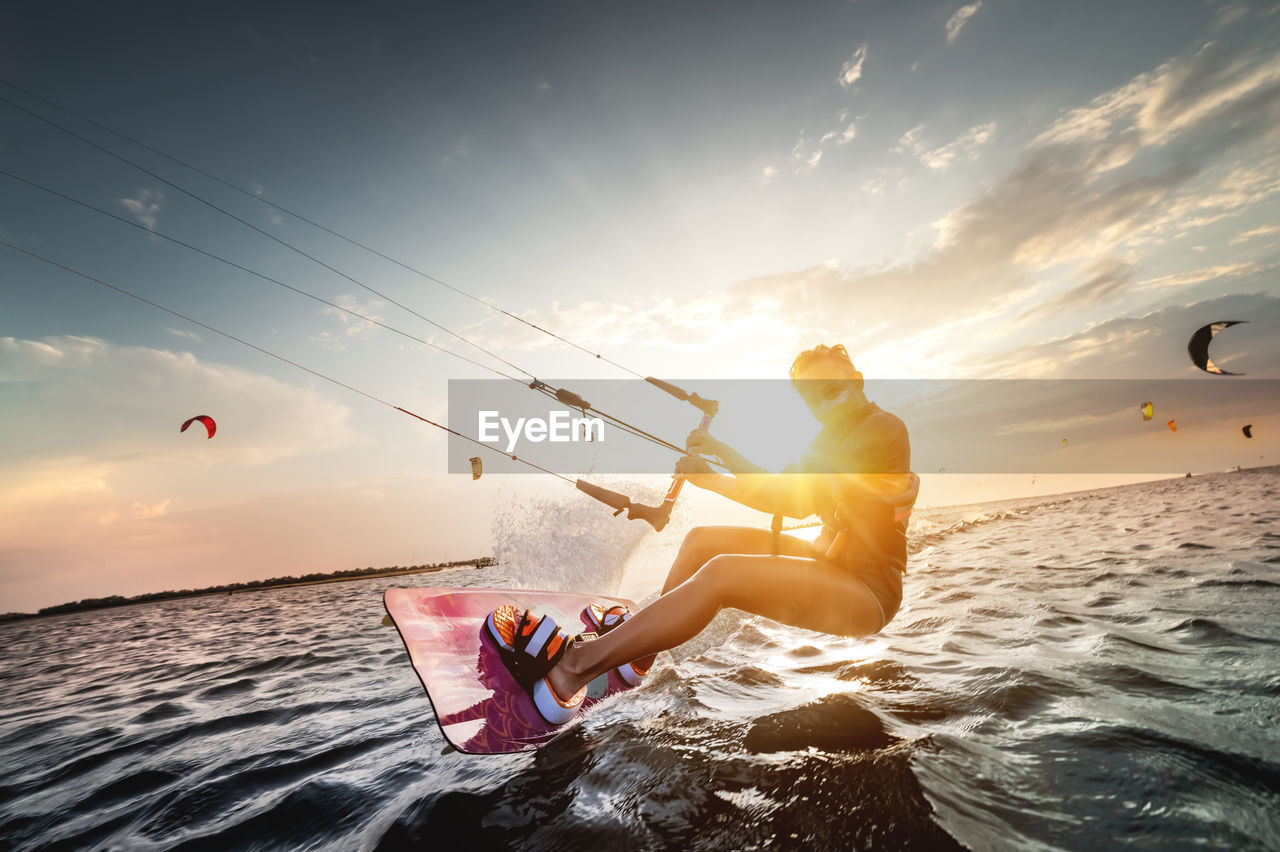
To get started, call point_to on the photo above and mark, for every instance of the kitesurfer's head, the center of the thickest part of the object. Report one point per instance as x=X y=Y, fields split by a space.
x=827 y=381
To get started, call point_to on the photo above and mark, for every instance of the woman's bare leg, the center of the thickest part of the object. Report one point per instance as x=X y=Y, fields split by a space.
x=801 y=592
x=702 y=543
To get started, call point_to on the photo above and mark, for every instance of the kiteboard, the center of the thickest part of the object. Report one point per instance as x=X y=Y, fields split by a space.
x=478 y=704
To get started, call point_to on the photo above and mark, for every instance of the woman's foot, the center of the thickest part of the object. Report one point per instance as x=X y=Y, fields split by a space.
x=531 y=648
x=604 y=619
x=569 y=675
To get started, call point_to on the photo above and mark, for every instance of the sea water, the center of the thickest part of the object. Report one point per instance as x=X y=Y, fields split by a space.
x=1097 y=670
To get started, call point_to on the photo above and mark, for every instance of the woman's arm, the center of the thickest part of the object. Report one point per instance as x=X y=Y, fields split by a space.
x=799 y=495
x=700 y=442
x=793 y=495
x=751 y=485
x=771 y=493
x=872 y=464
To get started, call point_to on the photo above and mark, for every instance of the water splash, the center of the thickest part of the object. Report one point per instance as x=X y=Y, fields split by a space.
x=559 y=543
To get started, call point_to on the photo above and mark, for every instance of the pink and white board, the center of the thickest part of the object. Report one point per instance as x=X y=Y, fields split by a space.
x=479 y=706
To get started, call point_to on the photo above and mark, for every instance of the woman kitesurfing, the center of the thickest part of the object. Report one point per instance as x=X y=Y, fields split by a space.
x=855 y=476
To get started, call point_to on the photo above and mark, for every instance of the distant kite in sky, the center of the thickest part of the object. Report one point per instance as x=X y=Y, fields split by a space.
x=203 y=418
x=1198 y=346
x=1148 y=411
x=1247 y=429
x=1173 y=427
x=477 y=467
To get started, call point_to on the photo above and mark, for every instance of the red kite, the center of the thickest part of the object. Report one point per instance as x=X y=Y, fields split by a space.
x=203 y=418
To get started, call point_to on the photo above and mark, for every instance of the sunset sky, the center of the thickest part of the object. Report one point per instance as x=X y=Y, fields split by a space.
x=1001 y=189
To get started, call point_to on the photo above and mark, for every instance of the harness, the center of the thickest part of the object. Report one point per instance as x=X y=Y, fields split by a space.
x=872 y=514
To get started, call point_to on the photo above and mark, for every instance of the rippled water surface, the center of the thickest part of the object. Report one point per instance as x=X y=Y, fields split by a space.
x=1093 y=671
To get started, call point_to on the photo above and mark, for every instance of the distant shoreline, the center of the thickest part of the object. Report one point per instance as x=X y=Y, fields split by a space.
x=316 y=579
x=484 y=561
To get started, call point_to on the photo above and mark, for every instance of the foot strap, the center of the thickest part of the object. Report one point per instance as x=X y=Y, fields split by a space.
x=538 y=647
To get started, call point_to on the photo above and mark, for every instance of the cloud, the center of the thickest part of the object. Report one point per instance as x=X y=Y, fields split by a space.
x=699 y=323
x=1106 y=278
x=807 y=154
x=1156 y=106
x=1109 y=277
x=142 y=511
x=1185 y=166
x=145 y=207
x=851 y=71
x=1153 y=345
x=804 y=160
x=940 y=159
x=875 y=186
x=1067 y=199
x=885 y=180
x=961 y=17
x=352 y=326
x=768 y=173
x=1228 y=15
x=1054 y=206
x=106 y=405
x=460 y=150
x=1196 y=276
x=842 y=135
x=1265 y=230
x=543 y=86
x=179 y=332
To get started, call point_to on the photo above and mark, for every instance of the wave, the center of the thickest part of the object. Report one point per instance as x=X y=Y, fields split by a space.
x=1061 y=674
